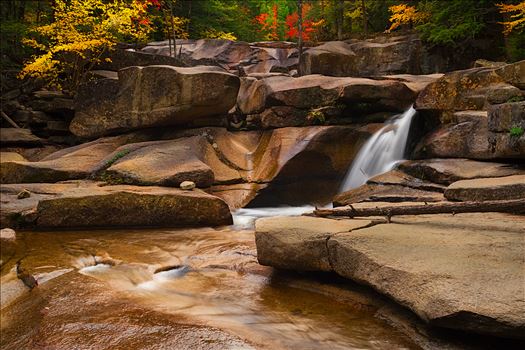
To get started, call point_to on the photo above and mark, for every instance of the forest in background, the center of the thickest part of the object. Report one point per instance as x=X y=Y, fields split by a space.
x=47 y=29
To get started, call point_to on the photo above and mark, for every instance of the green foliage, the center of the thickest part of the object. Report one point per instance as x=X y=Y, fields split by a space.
x=515 y=99
x=515 y=46
x=516 y=131
x=117 y=156
x=316 y=116
x=12 y=33
x=457 y=21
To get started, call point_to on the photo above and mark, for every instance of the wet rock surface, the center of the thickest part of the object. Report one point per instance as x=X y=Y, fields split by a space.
x=409 y=260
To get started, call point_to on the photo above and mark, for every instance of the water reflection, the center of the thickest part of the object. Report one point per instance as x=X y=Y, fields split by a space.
x=203 y=278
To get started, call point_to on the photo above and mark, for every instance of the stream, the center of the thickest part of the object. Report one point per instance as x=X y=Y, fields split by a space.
x=174 y=289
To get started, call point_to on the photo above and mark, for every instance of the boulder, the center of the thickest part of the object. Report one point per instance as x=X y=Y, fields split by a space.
x=7 y=244
x=380 y=56
x=235 y=56
x=299 y=243
x=386 y=193
x=18 y=137
x=164 y=163
x=472 y=89
x=446 y=171
x=410 y=261
x=71 y=163
x=153 y=96
x=87 y=204
x=501 y=188
x=478 y=111
x=281 y=101
x=470 y=136
x=11 y=157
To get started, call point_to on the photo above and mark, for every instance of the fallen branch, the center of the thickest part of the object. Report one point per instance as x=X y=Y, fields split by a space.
x=502 y=206
x=9 y=120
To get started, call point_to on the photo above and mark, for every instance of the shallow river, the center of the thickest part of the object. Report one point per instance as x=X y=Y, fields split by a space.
x=174 y=289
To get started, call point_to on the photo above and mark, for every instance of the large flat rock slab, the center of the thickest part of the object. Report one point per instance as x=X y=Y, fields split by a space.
x=502 y=188
x=464 y=271
x=299 y=243
x=87 y=204
x=448 y=170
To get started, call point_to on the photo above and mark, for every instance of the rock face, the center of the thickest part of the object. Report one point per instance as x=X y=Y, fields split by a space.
x=365 y=58
x=481 y=114
x=280 y=101
x=501 y=188
x=410 y=261
x=152 y=96
x=246 y=160
x=86 y=204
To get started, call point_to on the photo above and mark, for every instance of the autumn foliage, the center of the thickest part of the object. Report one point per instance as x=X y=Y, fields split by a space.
x=309 y=25
x=517 y=17
x=82 y=31
x=403 y=14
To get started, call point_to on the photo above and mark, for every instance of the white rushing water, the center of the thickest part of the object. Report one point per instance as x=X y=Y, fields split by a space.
x=382 y=152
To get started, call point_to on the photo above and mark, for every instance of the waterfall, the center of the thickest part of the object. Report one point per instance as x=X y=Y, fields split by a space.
x=381 y=152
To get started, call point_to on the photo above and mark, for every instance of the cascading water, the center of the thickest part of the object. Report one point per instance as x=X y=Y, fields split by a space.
x=381 y=153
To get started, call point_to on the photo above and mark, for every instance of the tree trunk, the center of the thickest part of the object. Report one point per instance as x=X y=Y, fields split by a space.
x=173 y=30
x=300 y=32
x=340 y=19
x=502 y=206
x=365 y=17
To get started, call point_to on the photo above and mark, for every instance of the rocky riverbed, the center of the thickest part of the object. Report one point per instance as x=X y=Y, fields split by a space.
x=157 y=142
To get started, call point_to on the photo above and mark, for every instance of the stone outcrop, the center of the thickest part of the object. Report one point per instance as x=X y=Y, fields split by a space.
x=384 y=55
x=208 y=157
x=446 y=171
x=480 y=111
x=153 y=96
x=71 y=163
x=410 y=261
x=501 y=188
x=18 y=136
x=234 y=56
x=280 y=101
x=87 y=204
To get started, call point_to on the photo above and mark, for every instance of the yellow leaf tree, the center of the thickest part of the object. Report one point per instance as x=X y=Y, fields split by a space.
x=405 y=14
x=81 y=32
x=516 y=14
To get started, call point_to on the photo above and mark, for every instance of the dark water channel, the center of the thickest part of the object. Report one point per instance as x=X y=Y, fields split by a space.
x=172 y=289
